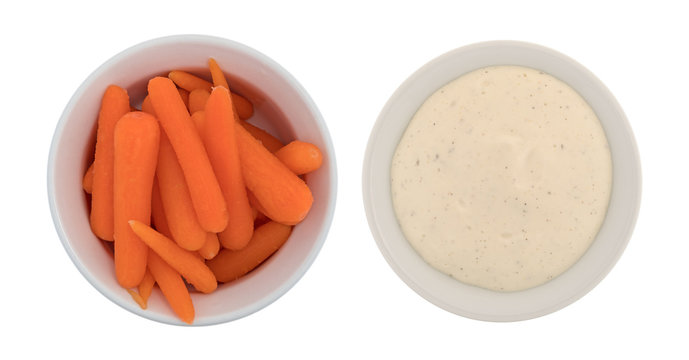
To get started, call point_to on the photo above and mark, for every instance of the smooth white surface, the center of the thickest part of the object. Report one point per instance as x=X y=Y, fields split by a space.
x=475 y=302
x=350 y=58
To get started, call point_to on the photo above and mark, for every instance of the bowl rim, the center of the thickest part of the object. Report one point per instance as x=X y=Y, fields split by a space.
x=319 y=122
x=439 y=289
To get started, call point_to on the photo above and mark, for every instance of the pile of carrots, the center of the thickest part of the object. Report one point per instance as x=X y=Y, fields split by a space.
x=188 y=191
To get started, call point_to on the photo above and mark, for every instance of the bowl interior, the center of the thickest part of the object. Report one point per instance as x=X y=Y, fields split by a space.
x=471 y=301
x=282 y=107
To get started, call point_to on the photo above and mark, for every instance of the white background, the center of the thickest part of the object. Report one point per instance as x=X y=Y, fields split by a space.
x=350 y=57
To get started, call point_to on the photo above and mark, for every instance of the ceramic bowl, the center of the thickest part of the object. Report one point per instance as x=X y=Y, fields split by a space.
x=470 y=301
x=282 y=106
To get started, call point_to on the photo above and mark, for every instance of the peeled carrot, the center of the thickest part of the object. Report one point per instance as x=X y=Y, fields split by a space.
x=229 y=265
x=245 y=109
x=138 y=298
x=137 y=135
x=144 y=290
x=185 y=262
x=300 y=157
x=177 y=203
x=172 y=286
x=184 y=94
x=259 y=218
x=271 y=143
x=146 y=286
x=87 y=180
x=189 y=82
x=217 y=74
x=147 y=106
x=211 y=247
x=199 y=118
x=283 y=196
x=208 y=200
x=114 y=105
x=221 y=145
x=158 y=216
x=197 y=100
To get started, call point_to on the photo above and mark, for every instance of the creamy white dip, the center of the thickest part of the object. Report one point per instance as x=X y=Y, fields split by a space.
x=502 y=178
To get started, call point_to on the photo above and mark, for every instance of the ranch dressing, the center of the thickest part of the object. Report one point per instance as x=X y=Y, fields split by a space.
x=502 y=178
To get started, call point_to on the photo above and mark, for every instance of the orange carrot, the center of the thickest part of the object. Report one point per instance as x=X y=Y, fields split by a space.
x=245 y=109
x=300 y=157
x=114 y=105
x=283 y=196
x=144 y=290
x=259 y=218
x=208 y=200
x=197 y=100
x=184 y=94
x=185 y=262
x=146 y=286
x=147 y=106
x=172 y=286
x=157 y=212
x=229 y=265
x=189 y=81
x=177 y=203
x=138 y=298
x=137 y=135
x=217 y=74
x=87 y=180
x=211 y=247
x=271 y=143
x=199 y=118
x=219 y=138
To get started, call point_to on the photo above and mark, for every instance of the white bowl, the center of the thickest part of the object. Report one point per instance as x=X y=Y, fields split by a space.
x=281 y=105
x=474 y=302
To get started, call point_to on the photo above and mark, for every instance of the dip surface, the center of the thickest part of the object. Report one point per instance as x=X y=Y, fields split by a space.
x=502 y=178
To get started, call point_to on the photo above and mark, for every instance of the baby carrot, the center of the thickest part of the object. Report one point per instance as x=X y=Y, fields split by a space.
x=87 y=180
x=177 y=204
x=136 y=141
x=271 y=143
x=172 y=286
x=211 y=247
x=217 y=74
x=157 y=212
x=219 y=138
x=147 y=106
x=114 y=105
x=137 y=298
x=199 y=118
x=283 y=196
x=146 y=286
x=184 y=94
x=208 y=200
x=300 y=157
x=229 y=265
x=244 y=108
x=185 y=262
x=144 y=290
x=197 y=100
x=190 y=82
